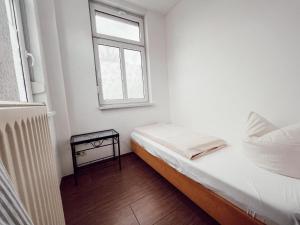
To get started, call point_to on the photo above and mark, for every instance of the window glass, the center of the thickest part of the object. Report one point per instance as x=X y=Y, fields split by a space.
x=16 y=51
x=134 y=74
x=111 y=77
x=117 y=27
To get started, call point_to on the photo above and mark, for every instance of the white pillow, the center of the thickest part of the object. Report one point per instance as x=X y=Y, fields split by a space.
x=258 y=125
x=277 y=150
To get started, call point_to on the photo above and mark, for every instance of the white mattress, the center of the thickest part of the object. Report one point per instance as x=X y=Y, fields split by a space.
x=271 y=198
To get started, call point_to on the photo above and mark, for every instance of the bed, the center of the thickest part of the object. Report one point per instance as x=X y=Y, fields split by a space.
x=225 y=184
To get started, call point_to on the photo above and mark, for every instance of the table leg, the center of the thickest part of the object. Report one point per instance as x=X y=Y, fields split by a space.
x=74 y=164
x=113 y=144
x=119 y=152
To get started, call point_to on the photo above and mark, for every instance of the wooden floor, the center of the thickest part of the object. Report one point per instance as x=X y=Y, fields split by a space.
x=137 y=195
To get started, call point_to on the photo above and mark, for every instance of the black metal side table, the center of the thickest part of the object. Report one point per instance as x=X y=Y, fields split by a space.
x=94 y=140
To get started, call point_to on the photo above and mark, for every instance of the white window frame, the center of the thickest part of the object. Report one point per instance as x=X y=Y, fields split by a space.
x=18 y=24
x=107 y=40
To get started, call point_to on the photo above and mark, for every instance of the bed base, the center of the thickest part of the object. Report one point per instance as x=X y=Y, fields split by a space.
x=216 y=206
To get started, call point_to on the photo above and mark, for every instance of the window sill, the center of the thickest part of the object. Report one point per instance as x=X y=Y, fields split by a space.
x=19 y=104
x=121 y=106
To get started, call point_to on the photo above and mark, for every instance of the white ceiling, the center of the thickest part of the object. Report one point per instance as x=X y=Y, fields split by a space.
x=162 y=6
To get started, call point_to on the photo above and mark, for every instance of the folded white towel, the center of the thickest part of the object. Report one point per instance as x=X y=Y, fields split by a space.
x=181 y=140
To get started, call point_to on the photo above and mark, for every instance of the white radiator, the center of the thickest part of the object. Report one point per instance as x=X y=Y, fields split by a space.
x=27 y=154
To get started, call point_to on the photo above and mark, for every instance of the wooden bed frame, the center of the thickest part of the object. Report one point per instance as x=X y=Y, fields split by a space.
x=219 y=208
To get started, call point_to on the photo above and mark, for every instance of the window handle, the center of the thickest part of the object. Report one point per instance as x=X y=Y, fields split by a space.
x=30 y=55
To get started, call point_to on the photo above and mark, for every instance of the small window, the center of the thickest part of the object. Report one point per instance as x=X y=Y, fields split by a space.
x=120 y=59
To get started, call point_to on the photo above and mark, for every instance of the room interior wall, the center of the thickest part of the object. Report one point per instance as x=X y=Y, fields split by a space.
x=49 y=58
x=227 y=58
x=74 y=31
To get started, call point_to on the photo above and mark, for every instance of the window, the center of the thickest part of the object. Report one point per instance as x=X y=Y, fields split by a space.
x=19 y=52
x=119 y=49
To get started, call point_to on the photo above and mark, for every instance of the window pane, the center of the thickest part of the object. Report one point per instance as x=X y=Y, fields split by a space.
x=111 y=77
x=16 y=54
x=117 y=27
x=134 y=74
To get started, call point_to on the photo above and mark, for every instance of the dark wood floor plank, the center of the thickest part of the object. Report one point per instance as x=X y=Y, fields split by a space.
x=136 y=195
x=155 y=206
x=180 y=216
x=122 y=216
x=187 y=214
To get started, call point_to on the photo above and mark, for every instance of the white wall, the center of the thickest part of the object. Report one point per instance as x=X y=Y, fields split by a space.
x=51 y=76
x=226 y=58
x=73 y=23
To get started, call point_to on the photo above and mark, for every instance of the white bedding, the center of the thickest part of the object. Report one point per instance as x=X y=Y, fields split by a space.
x=271 y=198
x=185 y=142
